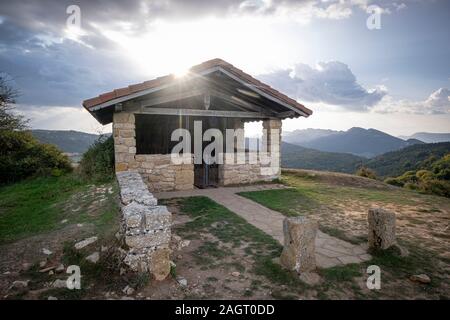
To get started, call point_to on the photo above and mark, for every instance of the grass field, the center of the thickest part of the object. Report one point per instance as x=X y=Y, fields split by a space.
x=39 y=205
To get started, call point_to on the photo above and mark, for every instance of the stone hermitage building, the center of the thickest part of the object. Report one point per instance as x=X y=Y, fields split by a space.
x=214 y=92
x=144 y=118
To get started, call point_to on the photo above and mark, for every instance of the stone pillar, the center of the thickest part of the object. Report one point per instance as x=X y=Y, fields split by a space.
x=381 y=228
x=299 y=244
x=124 y=141
x=272 y=134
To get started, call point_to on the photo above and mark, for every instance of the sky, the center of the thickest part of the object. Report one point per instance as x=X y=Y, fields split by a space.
x=356 y=63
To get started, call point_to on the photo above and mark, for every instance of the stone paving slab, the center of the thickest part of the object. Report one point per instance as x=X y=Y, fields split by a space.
x=330 y=251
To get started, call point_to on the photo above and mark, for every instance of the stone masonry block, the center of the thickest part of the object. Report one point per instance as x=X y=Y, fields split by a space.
x=381 y=228
x=299 y=244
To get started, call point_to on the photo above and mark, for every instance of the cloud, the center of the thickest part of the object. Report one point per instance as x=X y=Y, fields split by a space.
x=48 y=17
x=61 y=118
x=328 y=82
x=437 y=103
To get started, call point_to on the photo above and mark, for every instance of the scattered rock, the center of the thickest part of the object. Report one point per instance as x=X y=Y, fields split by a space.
x=64 y=221
x=18 y=284
x=421 y=278
x=127 y=298
x=122 y=271
x=79 y=225
x=235 y=274
x=128 y=290
x=26 y=266
x=46 y=251
x=179 y=257
x=94 y=257
x=47 y=269
x=59 y=283
x=60 y=268
x=85 y=243
x=184 y=243
x=42 y=264
x=172 y=264
x=104 y=249
x=182 y=281
x=310 y=278
x=52 y=298
x=6 y=273
x=50 y=273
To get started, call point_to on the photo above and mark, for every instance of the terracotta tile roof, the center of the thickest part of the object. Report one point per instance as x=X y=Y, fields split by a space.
x=122 y=92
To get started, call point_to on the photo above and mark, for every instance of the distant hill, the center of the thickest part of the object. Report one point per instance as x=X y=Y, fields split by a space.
x=298 y=157
x=68 y=141
x=396 y=163
x=429 y=137
x=358 y=141
x=300 y=137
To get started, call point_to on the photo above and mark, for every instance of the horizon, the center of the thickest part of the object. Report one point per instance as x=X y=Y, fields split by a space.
x=398 y=82
x=252 y=136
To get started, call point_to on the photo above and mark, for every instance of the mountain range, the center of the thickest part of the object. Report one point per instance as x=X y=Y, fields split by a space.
x=400 y=156
x=428 y=137
x=366 y=143
x=68 y=141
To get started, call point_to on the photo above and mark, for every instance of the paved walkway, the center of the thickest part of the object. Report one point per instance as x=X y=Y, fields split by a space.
x=330 y=251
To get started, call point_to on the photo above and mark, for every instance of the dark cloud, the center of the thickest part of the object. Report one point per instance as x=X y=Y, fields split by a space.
x=329 y=82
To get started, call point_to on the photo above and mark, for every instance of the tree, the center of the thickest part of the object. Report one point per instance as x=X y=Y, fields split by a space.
x=8 y=120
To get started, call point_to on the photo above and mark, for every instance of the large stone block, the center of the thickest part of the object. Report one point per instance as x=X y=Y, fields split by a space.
x=150 y=239
x=123 y=117
x=299 y=244
x=159 y=263
x=121 y=166
x=157 y=218
x=126 y=133
x=381 y=228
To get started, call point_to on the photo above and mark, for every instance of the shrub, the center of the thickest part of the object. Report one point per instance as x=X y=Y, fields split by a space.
x=97 y=163
x=437 y=187
x=366 y=172
x=394 y=182
x=22 y=156
x=435 y=179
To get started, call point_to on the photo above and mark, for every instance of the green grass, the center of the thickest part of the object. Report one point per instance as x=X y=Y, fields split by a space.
x=28 y=207
x=38 y=205
x=208 y=216
x=341 y=273
x=290 y=202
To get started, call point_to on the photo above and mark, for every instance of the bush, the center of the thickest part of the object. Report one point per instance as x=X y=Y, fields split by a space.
x=394 y=182
x=22 y=156
x=437 y=187
x=97 y=164
x=435 y=179
x=367 y=173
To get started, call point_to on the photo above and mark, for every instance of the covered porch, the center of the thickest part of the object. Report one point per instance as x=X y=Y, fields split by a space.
x=208 y=103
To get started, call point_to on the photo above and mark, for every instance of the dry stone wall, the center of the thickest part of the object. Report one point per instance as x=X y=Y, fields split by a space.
x=145 y=227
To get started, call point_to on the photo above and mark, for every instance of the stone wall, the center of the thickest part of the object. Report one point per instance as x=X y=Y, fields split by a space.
x=160 y=174
x=232 y=173
x=145 y=228
x=157 y=170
